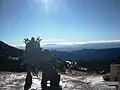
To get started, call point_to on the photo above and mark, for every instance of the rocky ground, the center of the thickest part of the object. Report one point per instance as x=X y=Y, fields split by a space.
x=15 y=81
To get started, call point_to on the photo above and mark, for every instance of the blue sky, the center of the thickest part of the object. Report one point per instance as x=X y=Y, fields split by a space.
x=59 y=20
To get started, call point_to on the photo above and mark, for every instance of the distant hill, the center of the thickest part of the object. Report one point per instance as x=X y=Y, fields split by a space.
x=90 y=54
x=8 y=50
x=9 y=58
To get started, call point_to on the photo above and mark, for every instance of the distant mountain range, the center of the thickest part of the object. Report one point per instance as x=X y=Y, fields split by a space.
x=91 y=51
x=90 y=54
x=74 y=47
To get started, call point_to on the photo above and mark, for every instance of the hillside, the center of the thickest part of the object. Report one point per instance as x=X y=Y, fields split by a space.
x=89 y=58
x=8 y=50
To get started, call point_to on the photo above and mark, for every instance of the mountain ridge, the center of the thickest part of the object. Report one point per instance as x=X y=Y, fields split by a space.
x=74 y=47
x=78 y=54
x=8 y=50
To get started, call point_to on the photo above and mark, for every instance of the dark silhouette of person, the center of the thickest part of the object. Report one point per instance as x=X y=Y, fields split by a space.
x=33 y=57
x=32 y=52
x=50 y=74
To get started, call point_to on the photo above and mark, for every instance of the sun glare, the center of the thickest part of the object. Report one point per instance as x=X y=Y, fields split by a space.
x=48 y=4
x=51 y=5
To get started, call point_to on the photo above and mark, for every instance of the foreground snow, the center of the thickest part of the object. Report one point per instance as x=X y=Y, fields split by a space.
x=15 y=81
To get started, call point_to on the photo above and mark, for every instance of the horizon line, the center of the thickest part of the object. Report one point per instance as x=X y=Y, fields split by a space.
x=72 y=43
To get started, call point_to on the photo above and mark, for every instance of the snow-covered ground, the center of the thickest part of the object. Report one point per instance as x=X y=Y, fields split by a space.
x=15 y=81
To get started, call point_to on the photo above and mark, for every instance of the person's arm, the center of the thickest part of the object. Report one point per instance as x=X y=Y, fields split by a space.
x=26 y=40
x=38 y=39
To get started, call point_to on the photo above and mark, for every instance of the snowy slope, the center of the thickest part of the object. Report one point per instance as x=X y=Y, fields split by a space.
x=15 y=81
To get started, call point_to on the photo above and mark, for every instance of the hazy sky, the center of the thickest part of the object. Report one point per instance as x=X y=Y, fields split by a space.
x=59 y=20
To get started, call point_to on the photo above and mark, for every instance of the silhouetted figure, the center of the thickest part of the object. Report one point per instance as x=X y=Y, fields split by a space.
x=50 y=77
x=32 y=56
x=32 y=52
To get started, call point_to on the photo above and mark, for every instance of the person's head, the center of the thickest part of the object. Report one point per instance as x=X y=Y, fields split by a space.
x=32 y=39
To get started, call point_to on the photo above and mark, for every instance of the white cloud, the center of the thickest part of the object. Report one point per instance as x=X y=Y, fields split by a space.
x=63 y=42
x=52 y=41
